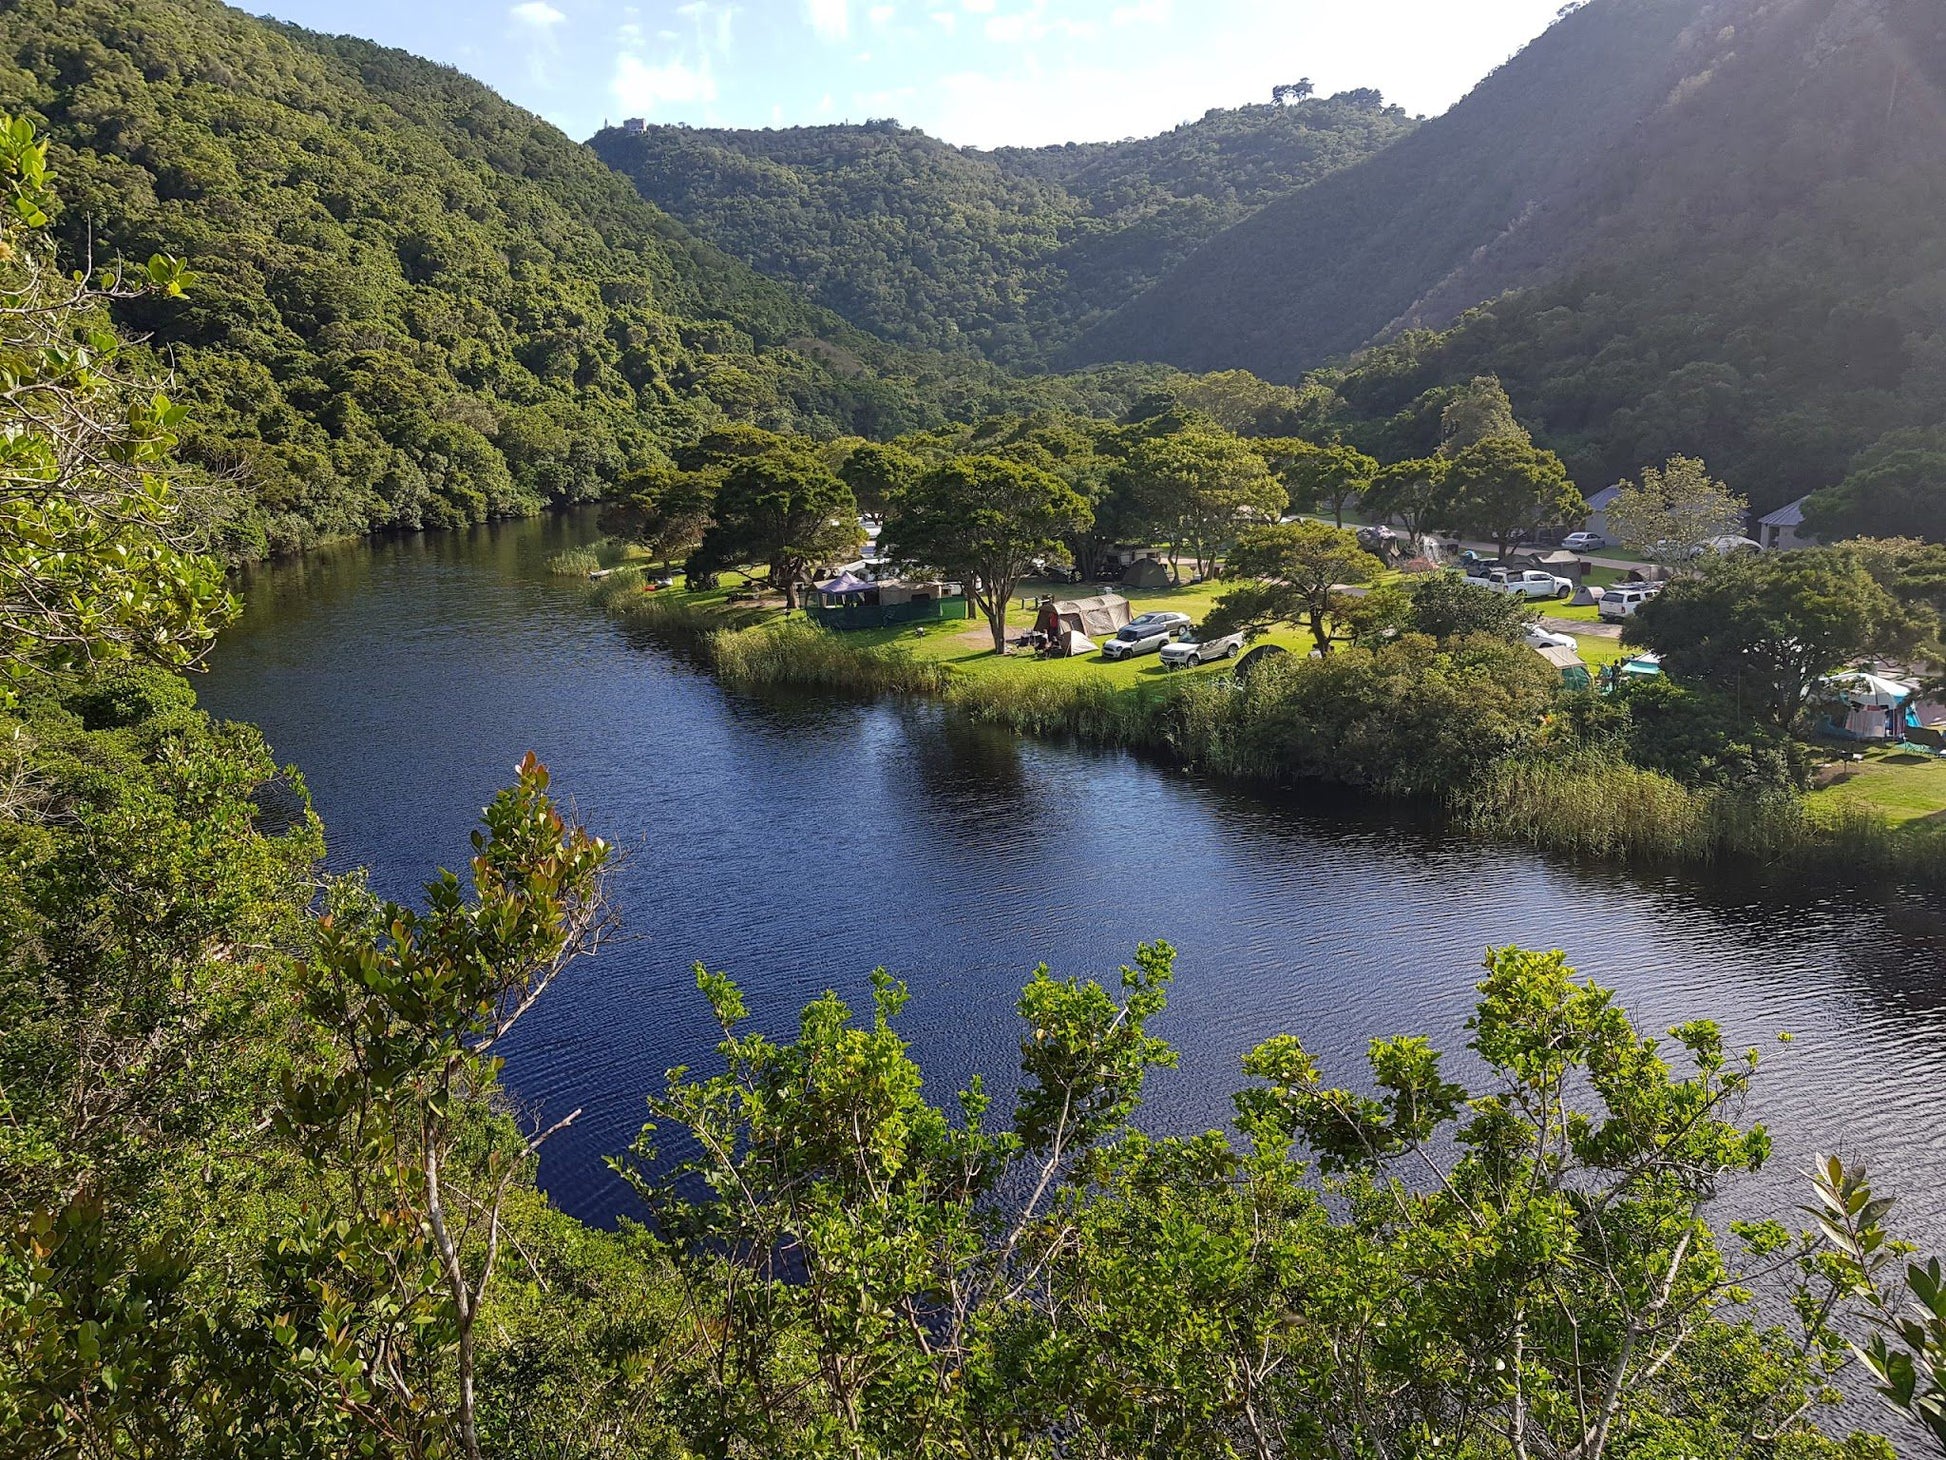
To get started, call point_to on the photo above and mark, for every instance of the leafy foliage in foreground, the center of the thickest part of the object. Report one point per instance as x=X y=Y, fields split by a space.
x=265 y=1195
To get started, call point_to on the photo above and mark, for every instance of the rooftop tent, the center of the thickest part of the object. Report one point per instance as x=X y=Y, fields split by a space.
x=1650 y=573
x=1095 y=617
x=1146 y=573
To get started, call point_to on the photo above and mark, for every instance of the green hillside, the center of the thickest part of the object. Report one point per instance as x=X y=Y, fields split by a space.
x=1011 y=253
x=1721 y=220
x=419 y=304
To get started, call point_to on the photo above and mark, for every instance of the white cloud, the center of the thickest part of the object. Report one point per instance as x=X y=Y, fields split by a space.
x=831 y=19
x=644 y=88
x=1142 y=12
x=539 y=14
x=880 y=16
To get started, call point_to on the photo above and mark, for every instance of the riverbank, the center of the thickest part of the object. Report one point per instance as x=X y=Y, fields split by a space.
x=1454 y=732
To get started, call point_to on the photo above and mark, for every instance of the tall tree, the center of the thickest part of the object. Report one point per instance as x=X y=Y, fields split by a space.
x=1290 y=573
x=662 y=508
x=1502 y=486
x=1761 y=629
x=1199 y=486
x=1410 y=493
x=1327 y=478
x=986 y=520
x=1478 y=411
x=876 y=473
x=784 y=508
x=1675 y=512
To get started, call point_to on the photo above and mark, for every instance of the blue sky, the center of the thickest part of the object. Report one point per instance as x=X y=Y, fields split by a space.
x=978 y=72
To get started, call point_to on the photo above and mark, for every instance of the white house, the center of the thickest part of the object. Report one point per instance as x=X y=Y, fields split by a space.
x=1783 y=529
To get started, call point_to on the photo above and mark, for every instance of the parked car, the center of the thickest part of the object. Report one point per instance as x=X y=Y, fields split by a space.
x=1583 y=542
x=1622 y=600
x=1145 y=635
x=1529 y=583
x=1187 y=651
x=1540 y=638
x=1474 y=565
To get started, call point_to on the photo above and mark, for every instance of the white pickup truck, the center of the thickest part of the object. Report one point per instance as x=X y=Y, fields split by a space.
x=1527 y=583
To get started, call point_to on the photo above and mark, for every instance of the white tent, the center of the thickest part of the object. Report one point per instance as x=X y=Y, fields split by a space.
x=1073 y=645
x=1866 y=706
x=1869 y=691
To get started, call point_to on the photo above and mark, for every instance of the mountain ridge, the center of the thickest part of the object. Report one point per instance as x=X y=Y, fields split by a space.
x=1009 y=252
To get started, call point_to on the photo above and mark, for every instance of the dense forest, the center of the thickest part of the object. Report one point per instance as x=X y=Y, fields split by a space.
x=1719 y=220
x=1011 y=253
x=421 y=305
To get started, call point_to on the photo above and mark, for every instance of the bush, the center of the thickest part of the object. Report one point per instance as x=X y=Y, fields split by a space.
x=1409 y=718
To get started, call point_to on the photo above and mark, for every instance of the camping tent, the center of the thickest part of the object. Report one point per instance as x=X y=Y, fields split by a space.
x=1070 y=644
x=1095 y=617
x=1146 y=573
x=1561 y=564
x=1585 y=596
x=1250 y=663
x=845 y=585
x=1574 y=674
x=1866 y=706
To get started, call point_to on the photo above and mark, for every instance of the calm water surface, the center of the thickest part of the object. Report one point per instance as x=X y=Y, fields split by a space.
x=799 y=846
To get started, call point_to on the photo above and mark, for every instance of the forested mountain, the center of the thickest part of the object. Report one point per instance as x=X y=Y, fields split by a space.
x=1722 y=218
x=418 y=304
x=1011 y=253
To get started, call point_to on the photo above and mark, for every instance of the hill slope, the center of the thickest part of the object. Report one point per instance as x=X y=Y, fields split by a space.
x=419 y=304
x=1010 y=253
x=1722 y=216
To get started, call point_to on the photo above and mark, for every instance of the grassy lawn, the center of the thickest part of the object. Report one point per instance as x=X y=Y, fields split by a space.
x=968 y=646
x=1904 y=788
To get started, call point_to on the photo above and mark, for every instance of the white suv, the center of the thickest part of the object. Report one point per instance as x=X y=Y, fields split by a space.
x=1185 y=652
x=1624 y=599
x=1145 y=635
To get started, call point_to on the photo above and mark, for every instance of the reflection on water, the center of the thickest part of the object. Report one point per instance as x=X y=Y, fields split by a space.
x=799 y=845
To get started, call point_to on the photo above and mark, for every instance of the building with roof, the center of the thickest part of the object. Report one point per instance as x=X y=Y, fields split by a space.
x=1783 y=529
x=1597 y=518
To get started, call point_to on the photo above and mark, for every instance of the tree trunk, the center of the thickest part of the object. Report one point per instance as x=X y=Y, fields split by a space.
x=996 y=612
x=1319 y=633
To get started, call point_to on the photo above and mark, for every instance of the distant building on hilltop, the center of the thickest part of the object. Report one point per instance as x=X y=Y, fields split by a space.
x=635 y=124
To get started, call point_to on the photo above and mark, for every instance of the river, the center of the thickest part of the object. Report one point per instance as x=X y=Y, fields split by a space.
x=799 y=845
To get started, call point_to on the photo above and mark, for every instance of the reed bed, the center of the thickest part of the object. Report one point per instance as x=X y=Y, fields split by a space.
x=800 y=655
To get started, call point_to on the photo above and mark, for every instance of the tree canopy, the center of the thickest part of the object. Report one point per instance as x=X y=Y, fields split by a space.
x=1762 y=629
x=1290 y=572
x=987 y=520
